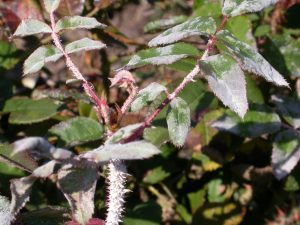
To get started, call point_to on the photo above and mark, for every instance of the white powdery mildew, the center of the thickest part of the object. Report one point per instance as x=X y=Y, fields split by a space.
x=85 y=44
x=5 y=215
x=117 y=179
x=179 y=121
x=168 y=59
x=196 y=26
x=164 y=55
x=146 y=95
x=250 y=59
x=41 y=56
x=230 y=85
x=235 y=8
x=30 y=27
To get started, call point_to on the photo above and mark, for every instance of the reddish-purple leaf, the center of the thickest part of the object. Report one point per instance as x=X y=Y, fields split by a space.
x=11 y=20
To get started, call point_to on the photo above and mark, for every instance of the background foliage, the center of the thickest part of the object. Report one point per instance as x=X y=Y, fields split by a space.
x=222 y=174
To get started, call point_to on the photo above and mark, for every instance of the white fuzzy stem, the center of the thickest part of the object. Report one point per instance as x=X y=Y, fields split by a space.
x=117 y=181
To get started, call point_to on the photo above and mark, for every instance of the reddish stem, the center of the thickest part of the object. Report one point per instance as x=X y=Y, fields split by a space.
x=101 y=104
x=211 y=43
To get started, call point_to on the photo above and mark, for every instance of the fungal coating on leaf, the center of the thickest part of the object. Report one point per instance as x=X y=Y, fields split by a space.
x=122 y=79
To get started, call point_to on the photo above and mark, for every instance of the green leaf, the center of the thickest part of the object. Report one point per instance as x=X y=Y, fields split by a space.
x=164 y=23
x=84 y=44
x=156 y=175
x=258 y=120
x=196 y=199
x=241 y=28
x=286 y=152
x=27 y=111
x=51 y=5
x=123 y=133
x=156 y=135
x=238 y=7
x=78 y=130
x=77 y=22
x=30 y=27
x=78 y=186
x=227 y=81
x=254 y=94
x=204 y=129
x=289 y=108
x=20 y=191
x=12 y=156
x=197 y=96
x=192 y=27
x=185 y=65
x=184 y=213
x=207 y=8
x=250 y=59
x=9 y=55
x=292 y=182
x=36 y=61
x=140 y=215
x=262 y=30
x=163 y=55
x=179 y=121
x=214 y=192
x=147 y=95
x=130 y=151
x=290 y=50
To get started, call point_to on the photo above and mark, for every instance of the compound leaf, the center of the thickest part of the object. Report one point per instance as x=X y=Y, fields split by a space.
x=227 y=81
x=147 y=95
x=178 y=120
x=250 y=59
x=192 y=27
x=36 y=61
x=84 y=44
x=77 y=22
